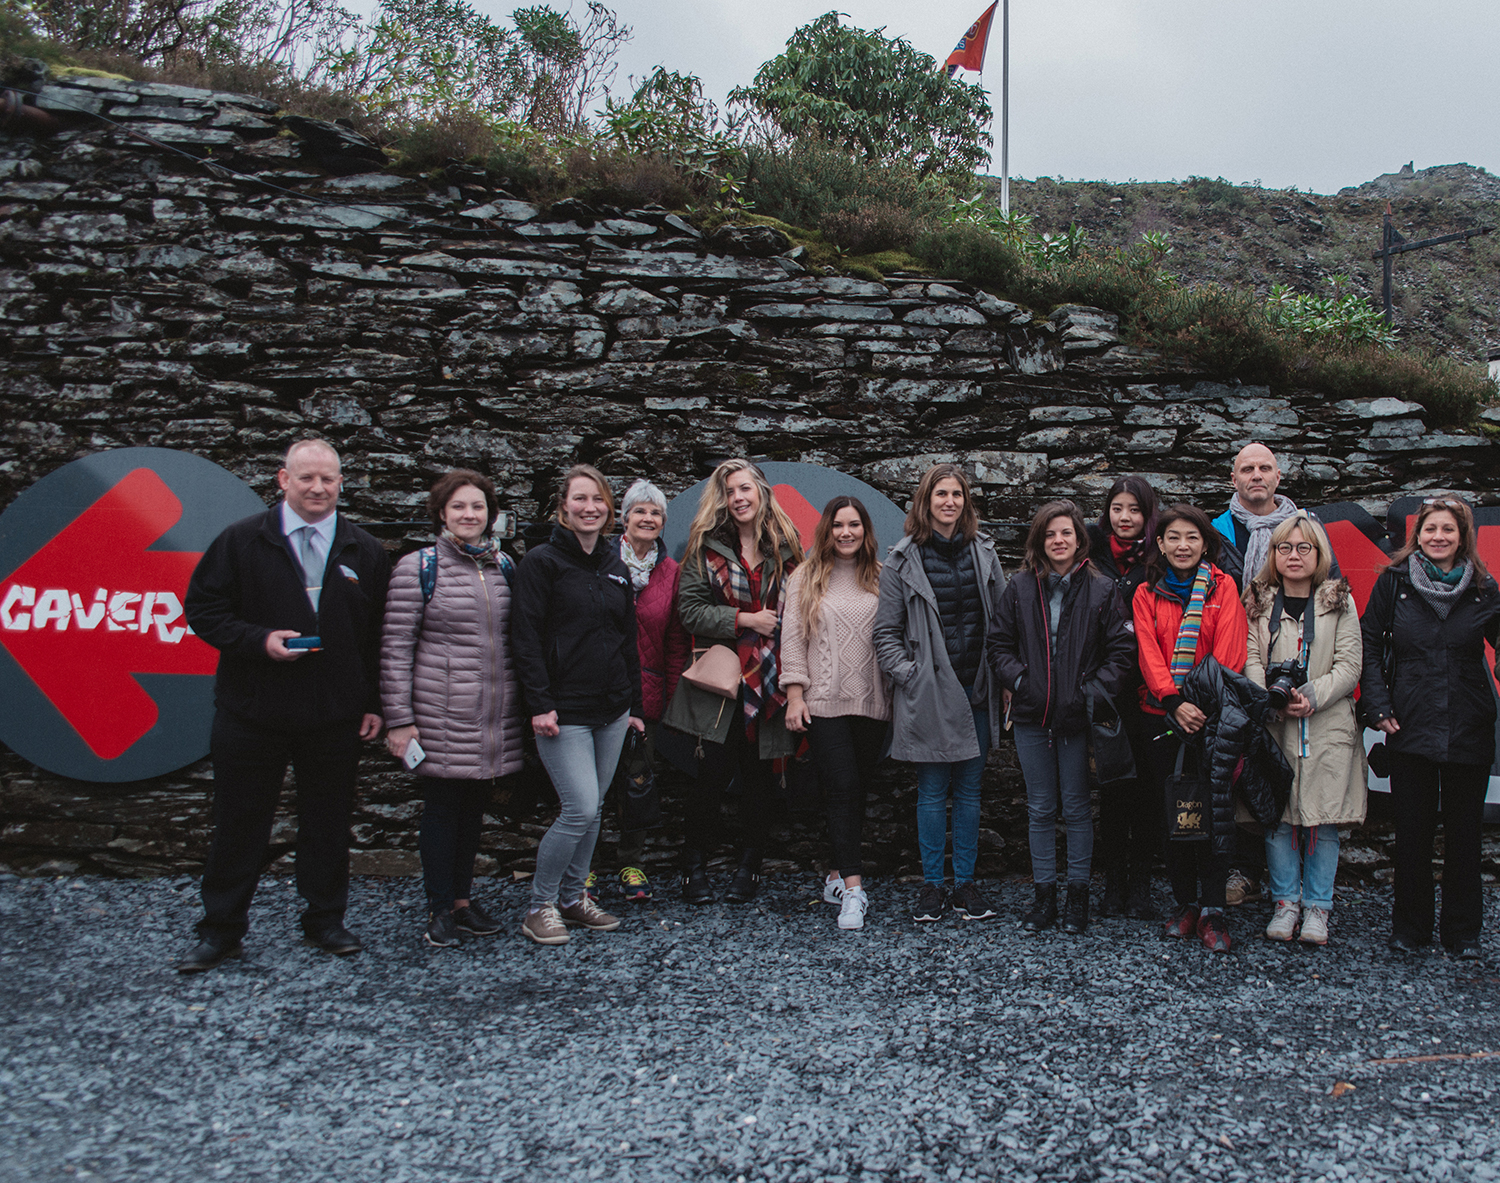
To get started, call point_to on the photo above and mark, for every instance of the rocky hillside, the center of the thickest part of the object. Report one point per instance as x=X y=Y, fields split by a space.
x=1445 y=297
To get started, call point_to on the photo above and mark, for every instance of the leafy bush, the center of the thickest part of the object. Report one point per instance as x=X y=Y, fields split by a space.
x=879 y=226
x=1216 y=191
x=972 y=254
x=806 y=181
x=1342 y=317
x=668 y=120
x=620 y=178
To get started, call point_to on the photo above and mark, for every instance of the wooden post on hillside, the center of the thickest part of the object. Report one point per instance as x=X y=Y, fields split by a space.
x=1392 y=244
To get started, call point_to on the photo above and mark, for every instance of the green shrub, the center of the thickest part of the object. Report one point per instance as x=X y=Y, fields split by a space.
x=623 y=179
x=972 y=254
x=527 y=170
x=807 y=181
x=425 y=144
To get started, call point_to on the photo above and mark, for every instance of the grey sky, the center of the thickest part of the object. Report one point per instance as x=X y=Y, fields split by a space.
x=1313 y=93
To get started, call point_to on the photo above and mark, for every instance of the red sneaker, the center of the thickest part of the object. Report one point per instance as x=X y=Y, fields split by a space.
x=1214 y=932
x=1184 y=922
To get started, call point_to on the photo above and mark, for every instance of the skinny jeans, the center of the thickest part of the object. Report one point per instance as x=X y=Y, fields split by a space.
x=1420 y=791
x=1302 y=862
x=452 y=815
x=934 y=784
x=1056 y=768
x=581 y=761
x=845 y=750
x=736 y=760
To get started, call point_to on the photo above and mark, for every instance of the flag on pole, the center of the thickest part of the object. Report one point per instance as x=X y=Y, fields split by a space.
x=968 y=54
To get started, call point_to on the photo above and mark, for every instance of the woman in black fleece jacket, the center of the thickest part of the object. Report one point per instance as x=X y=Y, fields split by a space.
x=573 y=635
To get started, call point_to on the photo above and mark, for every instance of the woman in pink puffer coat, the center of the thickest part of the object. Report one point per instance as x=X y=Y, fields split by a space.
x=448 y=685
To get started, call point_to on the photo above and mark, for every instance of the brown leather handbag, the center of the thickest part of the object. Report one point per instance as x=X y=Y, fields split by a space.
x=715 y=669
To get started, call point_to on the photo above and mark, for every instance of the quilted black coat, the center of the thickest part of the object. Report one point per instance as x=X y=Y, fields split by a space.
x=1235 y=732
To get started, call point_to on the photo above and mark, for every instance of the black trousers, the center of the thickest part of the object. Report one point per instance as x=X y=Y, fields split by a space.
x=1130 y=812
x=1416 y=787
x=452 y=814
x=1197 y=874
x=736 y=759
x=250 y=763
x=845 y=750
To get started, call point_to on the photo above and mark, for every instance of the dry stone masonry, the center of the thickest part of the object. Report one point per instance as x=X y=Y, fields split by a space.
x=195 y=270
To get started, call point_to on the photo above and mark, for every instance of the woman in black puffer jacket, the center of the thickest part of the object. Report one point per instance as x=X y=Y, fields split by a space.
x=1129 y=810
x=1059 y=638
x=1426 y=686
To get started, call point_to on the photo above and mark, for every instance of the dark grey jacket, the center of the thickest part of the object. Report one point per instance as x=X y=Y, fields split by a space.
x=932 y=720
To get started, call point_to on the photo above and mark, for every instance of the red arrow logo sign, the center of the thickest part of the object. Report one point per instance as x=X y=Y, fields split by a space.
x=94 y=606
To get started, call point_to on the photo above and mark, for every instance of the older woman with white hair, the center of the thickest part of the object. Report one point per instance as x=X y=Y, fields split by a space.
x=663 y=644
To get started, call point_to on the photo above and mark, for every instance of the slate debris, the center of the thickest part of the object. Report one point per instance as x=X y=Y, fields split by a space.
x=723 y=1043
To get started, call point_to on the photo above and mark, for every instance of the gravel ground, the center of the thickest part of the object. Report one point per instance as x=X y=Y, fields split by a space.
x=730 y=1043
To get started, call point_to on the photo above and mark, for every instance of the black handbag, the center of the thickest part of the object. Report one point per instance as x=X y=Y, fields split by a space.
x=635 y=781
x=1114 y=758
x=1187 y=804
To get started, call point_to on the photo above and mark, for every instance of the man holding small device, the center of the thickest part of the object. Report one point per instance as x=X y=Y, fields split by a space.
x=292 y=599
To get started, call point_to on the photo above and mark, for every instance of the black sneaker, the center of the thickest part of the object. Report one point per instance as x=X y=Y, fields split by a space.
x=931 y=904
x=442 y=931
x=475 y=921
x=970 y=903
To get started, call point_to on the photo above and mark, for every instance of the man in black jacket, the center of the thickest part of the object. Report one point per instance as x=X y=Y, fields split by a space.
x=298 y=570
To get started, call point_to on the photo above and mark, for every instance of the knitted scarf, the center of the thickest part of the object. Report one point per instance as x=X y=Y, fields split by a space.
x=488 y=549
x=1186 y=649
x=760 y=657
x=1441 y=590
x=1260 y=525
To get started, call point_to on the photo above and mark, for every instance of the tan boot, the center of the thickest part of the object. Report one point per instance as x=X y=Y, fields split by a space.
x=544 y=926
x=587 y=914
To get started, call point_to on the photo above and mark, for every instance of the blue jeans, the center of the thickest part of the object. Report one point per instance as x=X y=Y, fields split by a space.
x=1056 y=766
x=581 y=761
x=1303 y=861
x=933 y=783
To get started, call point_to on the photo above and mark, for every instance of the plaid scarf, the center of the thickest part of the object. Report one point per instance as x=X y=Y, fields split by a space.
x=760 y=657
x=1186 y=649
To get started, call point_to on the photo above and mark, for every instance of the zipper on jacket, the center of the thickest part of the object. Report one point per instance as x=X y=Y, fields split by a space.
x=489 y=632
x=1046 y=633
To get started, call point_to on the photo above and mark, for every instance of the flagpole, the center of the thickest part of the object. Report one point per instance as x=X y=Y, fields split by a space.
x=1005 y=109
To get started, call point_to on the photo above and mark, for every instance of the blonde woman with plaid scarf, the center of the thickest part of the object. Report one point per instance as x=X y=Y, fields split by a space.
x=742 y=548
x=1186 y=611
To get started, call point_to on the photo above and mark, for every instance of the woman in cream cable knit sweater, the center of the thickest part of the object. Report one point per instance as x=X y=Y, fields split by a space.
x=834 y=689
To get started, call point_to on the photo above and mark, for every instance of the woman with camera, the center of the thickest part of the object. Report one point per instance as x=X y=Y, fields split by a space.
x=1129 y=841
x=1427 y=687
x=1187 y=611
x=1060 y=638
x=834 y=689
x=1305 y=647
x=939 y=589
x=448 y=691
x=742 y=549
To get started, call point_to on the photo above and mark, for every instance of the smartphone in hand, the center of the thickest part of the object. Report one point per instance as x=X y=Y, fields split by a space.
x=307 y=644
x=413 y=756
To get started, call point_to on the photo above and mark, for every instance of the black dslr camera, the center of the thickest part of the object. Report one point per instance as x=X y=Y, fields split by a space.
x=1281 y=679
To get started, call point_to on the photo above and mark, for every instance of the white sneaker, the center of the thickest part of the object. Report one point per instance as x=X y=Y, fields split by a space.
x=1283 y=921
x=852 y=910
x=833 y=888
x=1314 y=926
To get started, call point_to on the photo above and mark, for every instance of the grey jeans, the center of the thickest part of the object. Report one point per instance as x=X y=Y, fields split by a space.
x=1056 y=766
x=581 y=762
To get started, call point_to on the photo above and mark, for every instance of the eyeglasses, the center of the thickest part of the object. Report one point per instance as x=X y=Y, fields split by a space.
x=1446 y=502
x=1302 y=548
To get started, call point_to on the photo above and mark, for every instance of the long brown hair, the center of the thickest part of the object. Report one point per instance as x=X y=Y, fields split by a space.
x=1464 y=516
x=919 y=516
x=818 y=569
x=773 y=528
x=1036 y=538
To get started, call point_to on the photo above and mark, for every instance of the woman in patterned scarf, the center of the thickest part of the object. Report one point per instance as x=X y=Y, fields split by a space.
x=1186 y=611
x=1426 y=687
x=742 y=548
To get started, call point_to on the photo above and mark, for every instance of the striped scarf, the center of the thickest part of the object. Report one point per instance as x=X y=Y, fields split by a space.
x=760 y=657
x=1186 y=649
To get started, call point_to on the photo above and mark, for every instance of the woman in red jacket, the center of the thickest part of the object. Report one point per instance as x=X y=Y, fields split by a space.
x=662 y=642
x=1186 y=611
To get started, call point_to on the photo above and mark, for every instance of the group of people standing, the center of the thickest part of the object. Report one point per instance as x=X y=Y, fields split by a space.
x=1228 y=654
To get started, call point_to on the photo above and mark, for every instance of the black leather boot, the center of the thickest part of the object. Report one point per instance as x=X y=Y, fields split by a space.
x=1076 y=912
x=1043 y=912
x=695 y=886
x=746 y=881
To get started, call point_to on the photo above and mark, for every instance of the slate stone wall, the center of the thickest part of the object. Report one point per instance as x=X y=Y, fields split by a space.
x=238 y=277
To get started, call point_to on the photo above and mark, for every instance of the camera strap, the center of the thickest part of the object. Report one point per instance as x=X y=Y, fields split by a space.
x=1309 y=626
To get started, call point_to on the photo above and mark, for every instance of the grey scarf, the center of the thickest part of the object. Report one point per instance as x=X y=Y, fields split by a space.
x=1258 y=548
x=640 y=569
x=1441 y=596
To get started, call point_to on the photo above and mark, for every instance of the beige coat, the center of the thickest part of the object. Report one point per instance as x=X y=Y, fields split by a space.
x=1329 y=784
